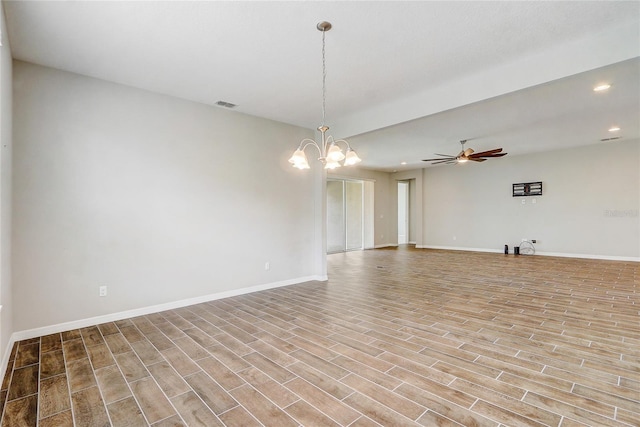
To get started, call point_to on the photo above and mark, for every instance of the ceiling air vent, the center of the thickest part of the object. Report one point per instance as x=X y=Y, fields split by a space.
x=613 y=138
x=225 y=104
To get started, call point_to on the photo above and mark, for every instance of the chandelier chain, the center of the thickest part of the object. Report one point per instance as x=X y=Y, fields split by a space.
x=324 y=80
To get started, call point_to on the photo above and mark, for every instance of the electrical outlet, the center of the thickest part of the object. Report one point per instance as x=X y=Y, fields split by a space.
x=267 y=266
x=103 y=291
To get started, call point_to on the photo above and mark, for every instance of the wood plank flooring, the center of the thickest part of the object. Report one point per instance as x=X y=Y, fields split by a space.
x=397 y=337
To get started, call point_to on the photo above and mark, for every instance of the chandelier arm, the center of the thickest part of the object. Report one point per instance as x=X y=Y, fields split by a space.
x=306 y=142
x=335 y=141
x=328 y=141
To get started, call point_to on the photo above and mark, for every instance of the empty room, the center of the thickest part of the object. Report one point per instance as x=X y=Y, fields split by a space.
x=323 y=213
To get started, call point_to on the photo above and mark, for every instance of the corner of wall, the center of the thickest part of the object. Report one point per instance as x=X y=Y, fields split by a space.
x=6 y=118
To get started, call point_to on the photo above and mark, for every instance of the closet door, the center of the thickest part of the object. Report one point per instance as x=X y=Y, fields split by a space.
x=345 y=208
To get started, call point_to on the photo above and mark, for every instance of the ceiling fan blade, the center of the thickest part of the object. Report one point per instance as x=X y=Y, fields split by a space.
x=485 y=153
x=445 y=155
x=444 y=161
x=476 y=159
x=489 y=156
x=441 y=158
x=468 y=152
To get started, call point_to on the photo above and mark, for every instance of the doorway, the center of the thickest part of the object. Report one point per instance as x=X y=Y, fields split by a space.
x=403 y=212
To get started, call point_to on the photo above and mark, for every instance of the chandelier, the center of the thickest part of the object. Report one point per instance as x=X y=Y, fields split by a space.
x=330 y=153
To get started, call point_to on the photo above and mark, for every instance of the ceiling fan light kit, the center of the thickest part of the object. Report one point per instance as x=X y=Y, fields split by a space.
x=465 y=155
x=330 y=152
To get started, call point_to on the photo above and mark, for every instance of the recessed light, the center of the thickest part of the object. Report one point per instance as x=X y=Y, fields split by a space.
x=403 y=163
x=614 y=129
x=601 y=87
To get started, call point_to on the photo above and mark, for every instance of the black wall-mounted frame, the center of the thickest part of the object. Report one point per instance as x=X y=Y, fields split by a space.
x=527 y=189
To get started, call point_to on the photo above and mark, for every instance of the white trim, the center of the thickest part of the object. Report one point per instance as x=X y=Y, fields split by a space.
x=412 y=243
x=337 y=177
x=590 y=256
x=5 y=358
x=386 y=245
x=558 y=254
x=455 y=248
x=83 y=323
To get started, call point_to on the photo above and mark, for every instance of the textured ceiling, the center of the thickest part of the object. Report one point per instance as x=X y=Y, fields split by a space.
x=418 y=63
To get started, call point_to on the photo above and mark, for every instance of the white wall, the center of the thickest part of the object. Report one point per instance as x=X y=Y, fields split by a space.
x=6 y=321
x=157 y=198
x=413 y=217
x=589 y=207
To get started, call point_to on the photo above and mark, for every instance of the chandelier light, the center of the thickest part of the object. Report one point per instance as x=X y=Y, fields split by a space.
x=330 y=153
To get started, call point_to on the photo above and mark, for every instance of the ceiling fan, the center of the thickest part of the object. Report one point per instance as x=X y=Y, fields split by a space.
x=466 y=155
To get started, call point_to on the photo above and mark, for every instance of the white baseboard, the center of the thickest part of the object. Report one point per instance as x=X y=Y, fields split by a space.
x=558 y=254
x=589 y=256
x=456 y=248
x=386 y=245
x=5 y=358
x=83 y=323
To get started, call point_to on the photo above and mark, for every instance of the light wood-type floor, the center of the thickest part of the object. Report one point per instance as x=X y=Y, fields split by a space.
x=396 y=337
